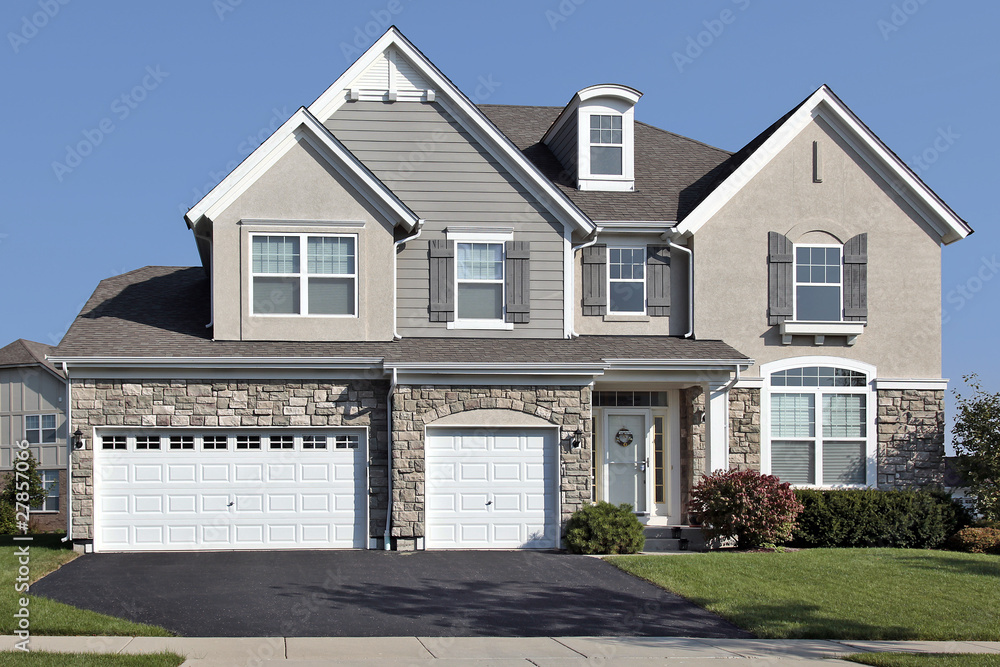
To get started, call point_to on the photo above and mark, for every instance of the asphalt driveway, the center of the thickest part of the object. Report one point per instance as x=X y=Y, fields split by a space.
x=377 y=593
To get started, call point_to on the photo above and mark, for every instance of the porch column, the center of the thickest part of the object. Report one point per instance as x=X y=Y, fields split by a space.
x=716 y=427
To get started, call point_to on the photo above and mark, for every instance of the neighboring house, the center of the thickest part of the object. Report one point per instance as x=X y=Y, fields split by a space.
x=33 y=409
x=422 y=323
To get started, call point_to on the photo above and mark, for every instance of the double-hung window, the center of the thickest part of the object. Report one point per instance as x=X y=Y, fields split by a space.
x=480 y=278
x=627 y=280
x=304 y=274
x=606 y=145
x=819 y=426
x=50 y=480
x=40 y=429
x=818 y=283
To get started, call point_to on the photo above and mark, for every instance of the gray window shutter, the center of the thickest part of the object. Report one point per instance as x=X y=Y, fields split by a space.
x=658 y=281
x=856 y=278
x=780 y=284
x=442 y=270
x=595 y=280
x=517 y=281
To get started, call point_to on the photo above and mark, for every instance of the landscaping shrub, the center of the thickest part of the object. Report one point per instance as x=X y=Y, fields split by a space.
x=976 y=541
x=605 y=529
x=29 y=490
x=754 y=509
x=872 y=518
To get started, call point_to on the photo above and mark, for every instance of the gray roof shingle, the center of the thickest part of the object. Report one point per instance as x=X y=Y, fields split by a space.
x=161 y=311
x=672 y=173
x=27 y=353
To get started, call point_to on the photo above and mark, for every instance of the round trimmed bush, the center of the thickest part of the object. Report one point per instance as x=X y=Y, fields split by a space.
x=604 y=528
x=752 y=508
x=975 y=540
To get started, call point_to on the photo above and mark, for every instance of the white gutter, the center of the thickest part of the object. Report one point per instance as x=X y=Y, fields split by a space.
x=500 y=369
x=387 y=536
x=69 y=458
x=324 y=363
x=667 y=237
x=395 y=276
x=585 y=244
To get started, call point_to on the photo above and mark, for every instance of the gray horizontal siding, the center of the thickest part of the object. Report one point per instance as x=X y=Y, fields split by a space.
x=447 y=178
x=563 y=144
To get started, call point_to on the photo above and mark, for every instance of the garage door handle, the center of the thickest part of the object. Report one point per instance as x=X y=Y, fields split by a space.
x=489 y=502
x=230 y=504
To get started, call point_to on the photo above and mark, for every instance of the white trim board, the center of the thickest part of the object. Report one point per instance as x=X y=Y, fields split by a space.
x=895 y=383
x=467 y=114
x=826 y=105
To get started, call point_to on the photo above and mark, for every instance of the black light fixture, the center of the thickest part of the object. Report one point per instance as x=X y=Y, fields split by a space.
x=78 y=441
x=576 y=442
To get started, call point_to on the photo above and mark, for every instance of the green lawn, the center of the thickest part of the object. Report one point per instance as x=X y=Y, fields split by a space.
x=22 y=659
x=47 y=553
x=926 y=659
x=838 y=593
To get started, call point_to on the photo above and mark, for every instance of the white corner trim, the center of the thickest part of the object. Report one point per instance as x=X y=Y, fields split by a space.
x=819 y=330
x=896 y=383
x=824 y=103
x=467 y=114
x=302 y=126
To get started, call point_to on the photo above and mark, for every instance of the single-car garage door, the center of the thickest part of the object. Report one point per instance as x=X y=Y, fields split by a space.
x=491 y=488
x=183 y=490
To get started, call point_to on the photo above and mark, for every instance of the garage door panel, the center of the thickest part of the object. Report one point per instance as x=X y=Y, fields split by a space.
x=504 y=494
x=228 y=499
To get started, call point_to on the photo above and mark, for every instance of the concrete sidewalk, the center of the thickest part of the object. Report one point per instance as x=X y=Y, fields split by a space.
x=541 y=651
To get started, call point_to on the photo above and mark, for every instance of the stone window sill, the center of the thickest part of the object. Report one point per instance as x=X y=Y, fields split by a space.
x=626 y=318
x=820 y=330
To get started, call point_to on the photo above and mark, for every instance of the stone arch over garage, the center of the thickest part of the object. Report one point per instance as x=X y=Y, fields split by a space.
x=416 y=407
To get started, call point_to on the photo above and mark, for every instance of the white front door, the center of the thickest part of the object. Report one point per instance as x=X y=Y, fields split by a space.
x=491 y=488
x=626 y=436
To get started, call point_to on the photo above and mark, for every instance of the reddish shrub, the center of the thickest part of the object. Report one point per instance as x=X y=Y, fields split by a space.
x=754 y=509
x=976 y=541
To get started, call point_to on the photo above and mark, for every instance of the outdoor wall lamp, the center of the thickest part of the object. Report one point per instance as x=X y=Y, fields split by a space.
x=78 y=441
x=699 y=416
x=576 y=442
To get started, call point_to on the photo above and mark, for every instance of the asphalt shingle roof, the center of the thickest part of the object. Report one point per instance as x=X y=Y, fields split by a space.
x=672 y=173
x=161 y=311
x=27 y=353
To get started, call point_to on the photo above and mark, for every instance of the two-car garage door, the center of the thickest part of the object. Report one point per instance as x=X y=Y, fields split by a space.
x=491 y=488
x=179 y=490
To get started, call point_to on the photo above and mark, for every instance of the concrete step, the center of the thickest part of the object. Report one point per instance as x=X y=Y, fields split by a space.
x=687 y=538
x=664 y=544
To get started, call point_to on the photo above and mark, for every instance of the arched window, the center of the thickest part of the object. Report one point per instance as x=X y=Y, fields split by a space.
x=818 y=424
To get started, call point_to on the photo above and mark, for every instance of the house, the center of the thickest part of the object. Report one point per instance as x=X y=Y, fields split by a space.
x=420 y=323
x=33 y=409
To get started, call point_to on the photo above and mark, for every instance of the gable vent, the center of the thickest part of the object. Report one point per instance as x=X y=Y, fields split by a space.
x=391 y=78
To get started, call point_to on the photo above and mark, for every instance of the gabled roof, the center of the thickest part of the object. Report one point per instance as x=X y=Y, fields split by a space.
x=157 y=315
x=752 y=158
x=28 y=353
x=467 y=114
x=302 y=126
x=672 y=172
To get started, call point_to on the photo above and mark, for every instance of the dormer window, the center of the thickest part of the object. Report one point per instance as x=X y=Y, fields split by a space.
x=606 y=144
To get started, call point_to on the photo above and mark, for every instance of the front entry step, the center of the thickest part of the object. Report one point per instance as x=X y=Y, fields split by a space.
x=660 y=539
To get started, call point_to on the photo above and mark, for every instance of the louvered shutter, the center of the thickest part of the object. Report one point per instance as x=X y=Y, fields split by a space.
x=856 y=278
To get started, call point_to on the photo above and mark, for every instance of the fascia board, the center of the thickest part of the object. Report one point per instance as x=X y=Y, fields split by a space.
x=497 y=369
x=662 y=364
x=468 y=115
x=277 y=145
x=328 y=363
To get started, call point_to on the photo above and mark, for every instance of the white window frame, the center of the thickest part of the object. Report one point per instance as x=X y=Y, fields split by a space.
x=591 y=144
x=795 y=280
x=871 y=405
x=41 y=429
x=605 y=106
x=482 y=237
x=303 y=275
x=48 y=484
x=645 y=277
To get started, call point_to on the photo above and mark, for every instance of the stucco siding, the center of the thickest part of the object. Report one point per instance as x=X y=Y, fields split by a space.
x=448 y=179
x=301 y=186
x=903 y=333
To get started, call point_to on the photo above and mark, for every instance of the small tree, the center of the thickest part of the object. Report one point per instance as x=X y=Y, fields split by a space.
x=976 y=437
x=754 y=509
x=29 y=485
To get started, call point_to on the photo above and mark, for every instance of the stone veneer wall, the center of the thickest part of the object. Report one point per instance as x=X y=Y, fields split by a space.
x=245 y=403
x=910 y=438
x=693 y=453
x=744 y=429
x=414 y=407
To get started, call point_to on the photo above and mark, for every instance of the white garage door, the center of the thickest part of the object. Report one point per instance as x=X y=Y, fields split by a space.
x=176 y=490
x=491 y=488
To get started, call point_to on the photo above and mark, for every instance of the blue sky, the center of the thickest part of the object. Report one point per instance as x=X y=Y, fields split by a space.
x=165 y=98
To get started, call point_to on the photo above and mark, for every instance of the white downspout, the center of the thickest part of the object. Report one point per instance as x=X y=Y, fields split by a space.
x=690 y=331
x=395 y=277
x=69 y=458
x=585 y=244
x=387 y=537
